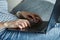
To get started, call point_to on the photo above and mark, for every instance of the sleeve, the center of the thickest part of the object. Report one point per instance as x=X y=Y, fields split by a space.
x=4 y=14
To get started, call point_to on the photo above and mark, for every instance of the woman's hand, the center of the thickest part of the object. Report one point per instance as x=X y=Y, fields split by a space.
x=20 y=23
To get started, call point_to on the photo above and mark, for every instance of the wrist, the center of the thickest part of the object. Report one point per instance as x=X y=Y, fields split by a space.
x=2 y=26
x=5 y=24
x=9 y=24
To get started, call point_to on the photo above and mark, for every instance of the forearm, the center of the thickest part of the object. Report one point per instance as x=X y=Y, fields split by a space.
x=9 y=24
x=2 y=26
x=4 y=15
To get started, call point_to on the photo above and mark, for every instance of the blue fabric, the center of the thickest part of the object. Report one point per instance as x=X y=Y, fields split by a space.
x=4 y=14
x=52 y=34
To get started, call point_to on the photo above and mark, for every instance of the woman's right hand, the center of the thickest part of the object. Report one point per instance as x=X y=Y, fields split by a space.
x=20 y=23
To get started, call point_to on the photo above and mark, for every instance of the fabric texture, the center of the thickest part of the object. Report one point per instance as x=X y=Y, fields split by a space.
x=53 y=34
x=4 y=14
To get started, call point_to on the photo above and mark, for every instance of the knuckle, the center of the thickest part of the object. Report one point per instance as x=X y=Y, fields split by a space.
x=26 y=20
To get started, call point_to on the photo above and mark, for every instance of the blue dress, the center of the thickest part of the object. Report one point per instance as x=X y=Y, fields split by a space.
x=32 y=6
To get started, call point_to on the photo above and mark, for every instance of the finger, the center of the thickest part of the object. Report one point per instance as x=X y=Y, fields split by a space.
x=20 y=27
x=22 y=24
x=27 y=22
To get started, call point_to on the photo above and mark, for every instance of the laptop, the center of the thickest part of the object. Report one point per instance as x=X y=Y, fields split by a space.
x=44 y=27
